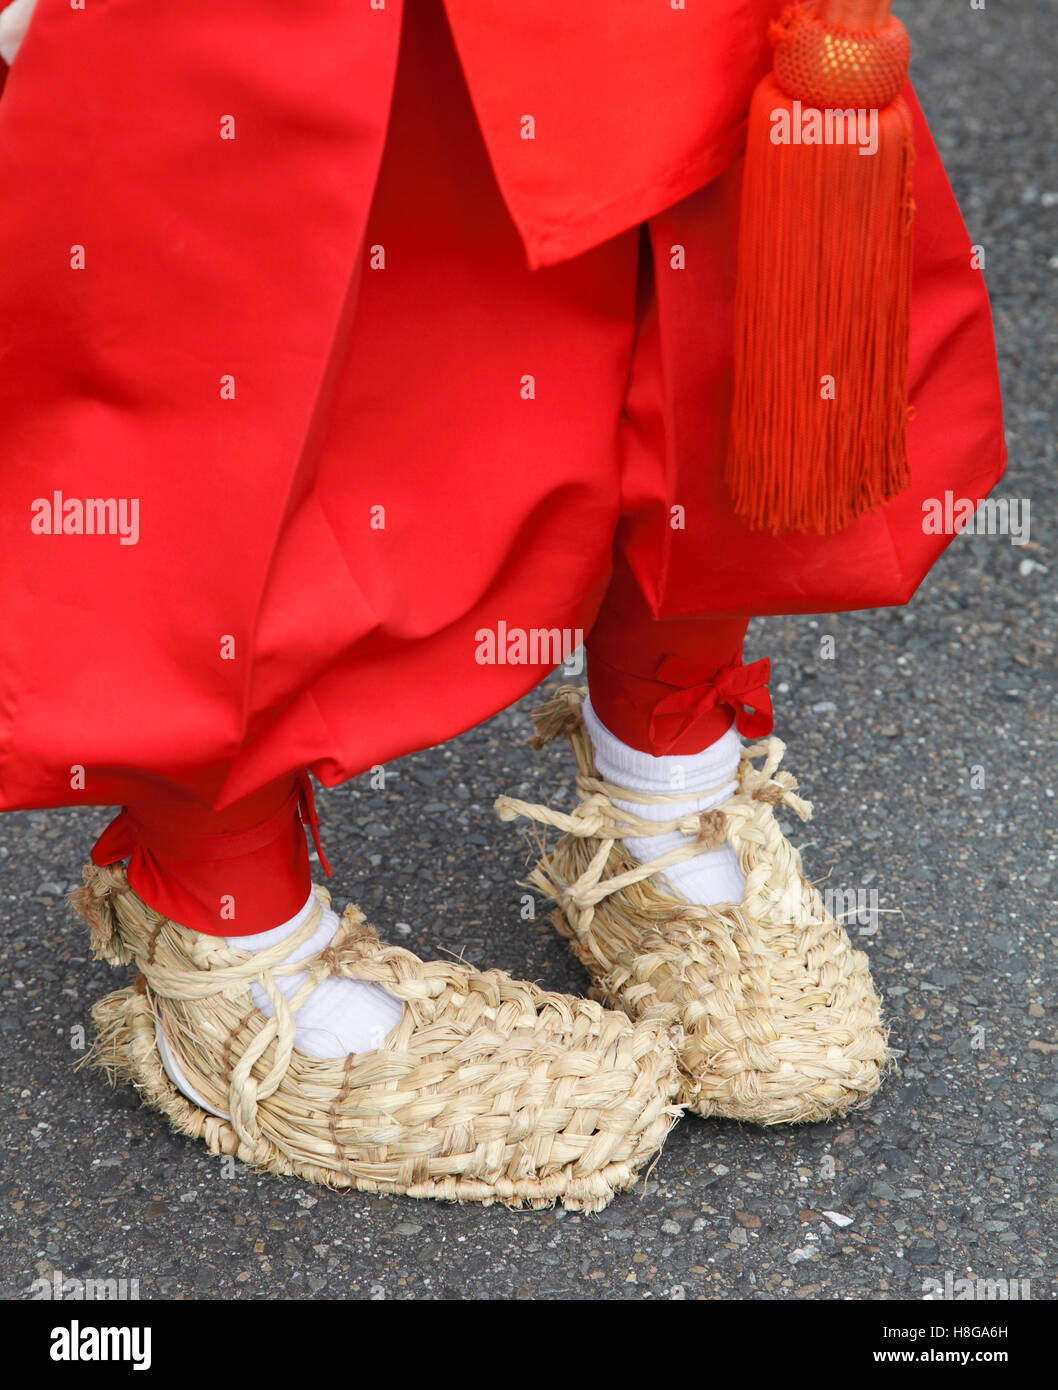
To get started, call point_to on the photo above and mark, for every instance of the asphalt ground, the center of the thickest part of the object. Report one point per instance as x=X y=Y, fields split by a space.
x=927 y=744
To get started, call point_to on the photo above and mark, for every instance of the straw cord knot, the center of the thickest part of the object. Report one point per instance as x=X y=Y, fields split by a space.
x=712 y=827
x=772 y=794
x=560 y=715
x=333 y=958
x=596 y=817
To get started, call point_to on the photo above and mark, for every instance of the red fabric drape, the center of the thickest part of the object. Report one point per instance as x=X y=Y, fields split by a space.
x=204 y=326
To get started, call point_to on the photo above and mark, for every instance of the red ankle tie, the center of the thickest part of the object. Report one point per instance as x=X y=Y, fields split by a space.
x=229 y=873
x=671 y=685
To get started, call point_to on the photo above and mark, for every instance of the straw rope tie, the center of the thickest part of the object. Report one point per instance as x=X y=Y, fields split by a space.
x=223 y=970
x=221 y=975
x=487 y=1089
x=781 y=1022
x=597 y=817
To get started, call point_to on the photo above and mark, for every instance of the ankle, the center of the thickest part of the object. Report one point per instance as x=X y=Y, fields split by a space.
x=706 y=777
x=228 y=873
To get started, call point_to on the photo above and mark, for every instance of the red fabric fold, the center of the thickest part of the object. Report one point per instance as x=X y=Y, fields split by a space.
x=741 y=689
x=232 y=873
x=265 y=625
x=310 y=817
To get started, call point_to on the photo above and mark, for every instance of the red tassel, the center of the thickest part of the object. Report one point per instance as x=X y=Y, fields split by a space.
x=819 y=420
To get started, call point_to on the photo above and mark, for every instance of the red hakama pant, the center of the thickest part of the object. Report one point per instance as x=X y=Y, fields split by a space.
x=276 y=276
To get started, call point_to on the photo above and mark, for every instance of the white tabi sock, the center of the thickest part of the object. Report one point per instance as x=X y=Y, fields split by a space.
x=339 y=1017
x=711 y=877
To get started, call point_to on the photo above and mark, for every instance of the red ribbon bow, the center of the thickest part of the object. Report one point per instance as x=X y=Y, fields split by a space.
x=743 y=689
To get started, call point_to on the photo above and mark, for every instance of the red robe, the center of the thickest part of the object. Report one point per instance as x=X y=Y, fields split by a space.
x=193 y=318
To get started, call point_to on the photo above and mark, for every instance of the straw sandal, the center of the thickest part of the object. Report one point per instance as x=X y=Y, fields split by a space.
x=487 y=1090
x=781 y=1020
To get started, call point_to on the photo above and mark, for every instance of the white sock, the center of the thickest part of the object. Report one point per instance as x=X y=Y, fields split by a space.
x=340 y=1016
x=712 y=877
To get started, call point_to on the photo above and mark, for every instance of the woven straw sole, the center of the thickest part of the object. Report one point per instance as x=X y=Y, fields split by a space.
x=488 y=1090
x=780 y=1017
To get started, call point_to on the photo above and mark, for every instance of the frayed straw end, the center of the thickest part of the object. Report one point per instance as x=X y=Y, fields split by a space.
x=114 y=1018
x=94 y=902
x=560 y=715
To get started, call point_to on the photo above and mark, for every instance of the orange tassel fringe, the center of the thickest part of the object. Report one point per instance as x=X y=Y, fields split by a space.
x=819 y=421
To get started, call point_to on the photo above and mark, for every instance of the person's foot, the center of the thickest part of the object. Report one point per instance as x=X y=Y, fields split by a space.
x=337 y=1017
x=781 y=1020
x=486 y=1089
x=667 y=789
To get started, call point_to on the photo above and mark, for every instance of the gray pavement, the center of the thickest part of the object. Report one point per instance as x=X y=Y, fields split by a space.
x=950 y=1172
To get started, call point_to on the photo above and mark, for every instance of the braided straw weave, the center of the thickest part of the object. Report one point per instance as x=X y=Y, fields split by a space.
x=487 y=1090
x=781 y=1020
